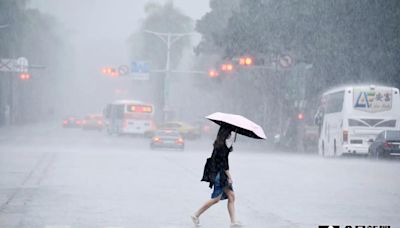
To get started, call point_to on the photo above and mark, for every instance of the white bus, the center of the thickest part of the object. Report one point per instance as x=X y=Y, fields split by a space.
x=129 y=117
x=349 y=117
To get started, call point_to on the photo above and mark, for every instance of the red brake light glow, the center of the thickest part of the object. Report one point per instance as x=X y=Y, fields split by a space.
x=156 y=139
x=387 y=145
x=345 y=136
x=179 y=141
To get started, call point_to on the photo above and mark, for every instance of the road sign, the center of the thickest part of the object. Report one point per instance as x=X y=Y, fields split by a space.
x=14 y=65
x=8 y=65
x=140 y=70
x=123 y=70
x=285 y=61
x=22 y=64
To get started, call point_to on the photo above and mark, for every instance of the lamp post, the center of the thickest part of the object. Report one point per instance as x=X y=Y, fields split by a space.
x=169 y=39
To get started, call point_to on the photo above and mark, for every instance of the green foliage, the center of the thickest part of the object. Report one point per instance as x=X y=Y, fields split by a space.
x=345 y=41
x=212 y=26
x=40 y=39
x=163 y=19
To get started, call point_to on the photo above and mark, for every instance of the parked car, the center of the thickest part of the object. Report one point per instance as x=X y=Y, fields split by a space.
x=72 y=122
x=93 y=122
x=385 y=145
x=167 y=139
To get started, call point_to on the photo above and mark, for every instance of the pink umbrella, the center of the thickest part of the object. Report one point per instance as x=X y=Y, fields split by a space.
x=238 y=124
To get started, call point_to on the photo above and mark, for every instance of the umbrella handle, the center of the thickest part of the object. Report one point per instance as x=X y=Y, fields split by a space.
x=234 y=140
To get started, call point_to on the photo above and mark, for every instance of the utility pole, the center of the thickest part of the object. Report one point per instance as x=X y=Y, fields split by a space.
x=169 y=39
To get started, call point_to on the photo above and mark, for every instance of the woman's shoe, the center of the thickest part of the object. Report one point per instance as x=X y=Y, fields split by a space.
x=195 y=220
x=236 y=224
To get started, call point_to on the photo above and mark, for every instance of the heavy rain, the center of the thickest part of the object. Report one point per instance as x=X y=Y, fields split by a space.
x=213 y=113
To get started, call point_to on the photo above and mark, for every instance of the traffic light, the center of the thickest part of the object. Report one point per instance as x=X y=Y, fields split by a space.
x=114 y=73
x=110 y=71
x=300 y=116
x=227 y=67
x=24 y=76
x=246 y=61
x=104 y=70
x=213 y=73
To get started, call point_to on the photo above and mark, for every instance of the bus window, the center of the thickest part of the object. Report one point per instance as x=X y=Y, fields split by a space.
x=334 y=102
x=357 y=123
x=389 y=123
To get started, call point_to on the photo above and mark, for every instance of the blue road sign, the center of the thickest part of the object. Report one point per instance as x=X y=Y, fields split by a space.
x=140 y=67
x=140 y=70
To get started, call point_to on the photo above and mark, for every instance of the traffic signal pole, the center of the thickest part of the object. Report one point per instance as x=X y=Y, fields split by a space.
x=169 y=39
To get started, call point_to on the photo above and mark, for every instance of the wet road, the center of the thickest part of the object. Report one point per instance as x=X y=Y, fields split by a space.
x=52 y=177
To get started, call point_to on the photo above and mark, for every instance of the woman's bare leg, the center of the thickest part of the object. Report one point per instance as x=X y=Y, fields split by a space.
x=207 y=205
x=231 y=205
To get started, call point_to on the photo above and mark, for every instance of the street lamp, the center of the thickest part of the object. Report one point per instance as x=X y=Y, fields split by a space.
x=169 y=39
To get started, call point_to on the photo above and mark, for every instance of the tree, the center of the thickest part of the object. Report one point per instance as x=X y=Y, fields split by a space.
x=161 y=19
x=213 y=24
x=40 y=39
x=345 y=41
x=164 y=19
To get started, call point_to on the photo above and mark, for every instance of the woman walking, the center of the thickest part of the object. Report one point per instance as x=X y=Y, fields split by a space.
x=217 y=173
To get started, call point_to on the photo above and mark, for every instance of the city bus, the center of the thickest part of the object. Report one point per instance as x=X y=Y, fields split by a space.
x=350 y=117
x=129 y=117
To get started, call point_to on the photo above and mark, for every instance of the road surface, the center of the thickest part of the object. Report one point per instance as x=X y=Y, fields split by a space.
x=54 y=177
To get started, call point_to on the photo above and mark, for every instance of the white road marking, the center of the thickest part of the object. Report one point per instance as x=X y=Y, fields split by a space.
x=57 y=226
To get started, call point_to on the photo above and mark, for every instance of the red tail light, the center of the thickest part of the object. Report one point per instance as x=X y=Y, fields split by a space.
x=78 y=122
x=345 y=136
x=179 y=141
x=156 y=139
x=65 y=122
x=387 y=145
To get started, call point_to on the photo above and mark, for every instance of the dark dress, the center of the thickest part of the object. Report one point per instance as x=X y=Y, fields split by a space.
x=214 y=171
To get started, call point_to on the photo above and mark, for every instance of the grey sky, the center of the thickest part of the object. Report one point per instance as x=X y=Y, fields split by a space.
x=107 y=17
x=102 y=27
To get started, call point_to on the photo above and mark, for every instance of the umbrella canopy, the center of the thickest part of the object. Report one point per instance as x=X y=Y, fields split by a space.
x=238 y=124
